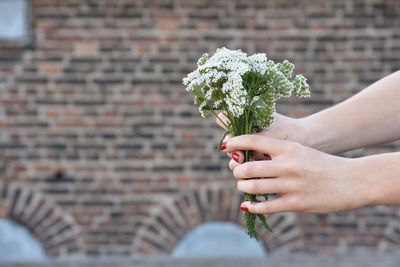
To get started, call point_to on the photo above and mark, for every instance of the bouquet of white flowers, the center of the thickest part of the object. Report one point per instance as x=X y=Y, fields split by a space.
x=245 y=89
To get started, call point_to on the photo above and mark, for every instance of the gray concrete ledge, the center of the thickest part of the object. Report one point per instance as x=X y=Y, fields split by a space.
x=283 y=260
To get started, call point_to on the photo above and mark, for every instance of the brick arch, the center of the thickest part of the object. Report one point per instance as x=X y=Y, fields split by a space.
x=162 y=232
x=53 y=226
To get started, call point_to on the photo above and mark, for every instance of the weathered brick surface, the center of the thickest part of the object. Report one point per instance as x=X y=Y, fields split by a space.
x=94 y=119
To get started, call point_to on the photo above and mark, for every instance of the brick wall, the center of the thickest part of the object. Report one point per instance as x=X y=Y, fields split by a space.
x=102 y=151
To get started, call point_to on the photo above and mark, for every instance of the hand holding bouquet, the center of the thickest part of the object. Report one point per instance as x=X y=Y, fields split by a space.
x=245 y=89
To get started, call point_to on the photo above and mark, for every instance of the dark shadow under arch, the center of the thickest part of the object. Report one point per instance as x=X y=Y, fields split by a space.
x=162 y=232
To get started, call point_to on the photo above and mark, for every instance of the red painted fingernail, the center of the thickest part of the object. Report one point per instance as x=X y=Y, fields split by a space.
x=222 y=147
x=266 y=155
x=235 y=156
x=243 y=208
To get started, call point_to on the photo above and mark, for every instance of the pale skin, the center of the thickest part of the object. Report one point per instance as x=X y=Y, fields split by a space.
x=294 y=156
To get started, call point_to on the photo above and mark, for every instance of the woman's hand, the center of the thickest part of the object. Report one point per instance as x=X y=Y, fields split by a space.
x=283 y=128
x=307 y=180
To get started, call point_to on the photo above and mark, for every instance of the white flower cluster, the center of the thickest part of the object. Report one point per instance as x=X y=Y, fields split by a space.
x=225 y=67
x=231 y=81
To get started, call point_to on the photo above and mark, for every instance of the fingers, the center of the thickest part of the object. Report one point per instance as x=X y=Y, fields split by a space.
x=238 y=156
x=281 y=204
x=233 y=164
x=256 y=156
x=255 y=169
x=222 y=120
x=265 y=186
x=222 y=148
x=256 y=142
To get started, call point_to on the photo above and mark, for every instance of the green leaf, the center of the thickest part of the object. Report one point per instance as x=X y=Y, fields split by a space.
x=264 y=222
x=250 y=221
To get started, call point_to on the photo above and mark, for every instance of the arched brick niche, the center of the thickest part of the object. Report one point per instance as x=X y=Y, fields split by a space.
x=162 y=232
x=53 y=226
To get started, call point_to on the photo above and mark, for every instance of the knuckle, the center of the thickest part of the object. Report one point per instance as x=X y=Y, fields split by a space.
x=289 y=166
x=246 y=186
x=295 y=204
x=291 y=203
x=252 y=138
x=297 y=185
x=251 y=187
x=292 y=147
x=254 y=208
x=245 y=171
x=261 y=208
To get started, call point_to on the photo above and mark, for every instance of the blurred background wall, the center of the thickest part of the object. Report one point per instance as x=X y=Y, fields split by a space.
x=102 y=151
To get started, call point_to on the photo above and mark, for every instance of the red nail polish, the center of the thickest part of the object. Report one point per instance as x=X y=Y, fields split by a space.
x=235 y=156
x=243 y=208
x=222 y=147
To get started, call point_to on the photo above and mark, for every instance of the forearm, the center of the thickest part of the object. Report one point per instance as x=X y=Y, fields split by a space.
x=378 y=179
x=369 y=117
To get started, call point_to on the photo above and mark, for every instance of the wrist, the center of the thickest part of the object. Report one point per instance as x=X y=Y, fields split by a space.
x=311 y=133
x=364 y=183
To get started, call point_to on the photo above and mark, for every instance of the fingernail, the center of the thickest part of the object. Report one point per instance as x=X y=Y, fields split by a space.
x=222 y=147
x=243 y=208
x=235 y=156
x=266 y=155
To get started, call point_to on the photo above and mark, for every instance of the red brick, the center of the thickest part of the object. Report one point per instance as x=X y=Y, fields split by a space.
x=95 y=120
